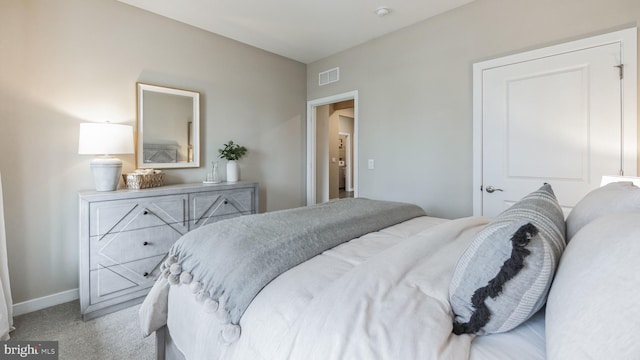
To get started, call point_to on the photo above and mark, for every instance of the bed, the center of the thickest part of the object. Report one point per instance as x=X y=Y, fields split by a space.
x=526 y=285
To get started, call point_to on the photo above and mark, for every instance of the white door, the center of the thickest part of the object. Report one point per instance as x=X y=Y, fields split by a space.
x=554 y=118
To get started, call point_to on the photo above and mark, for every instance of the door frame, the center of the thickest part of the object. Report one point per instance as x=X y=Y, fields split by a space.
x=628 y=41
x=311 y=140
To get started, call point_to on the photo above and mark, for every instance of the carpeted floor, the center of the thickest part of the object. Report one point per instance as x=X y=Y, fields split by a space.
x=114 y=336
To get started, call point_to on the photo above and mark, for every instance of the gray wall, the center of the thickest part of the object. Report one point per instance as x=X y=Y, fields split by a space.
x=64 y=62
x=415 y=90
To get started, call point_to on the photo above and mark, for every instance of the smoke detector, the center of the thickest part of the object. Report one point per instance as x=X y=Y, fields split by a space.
x=382 y=11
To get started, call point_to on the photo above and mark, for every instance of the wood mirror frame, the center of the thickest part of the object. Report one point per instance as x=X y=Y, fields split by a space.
x=168 y=127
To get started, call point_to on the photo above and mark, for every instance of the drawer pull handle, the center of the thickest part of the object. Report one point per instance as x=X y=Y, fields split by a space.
x=145 y=212
x=145 y=274
x=145 y=243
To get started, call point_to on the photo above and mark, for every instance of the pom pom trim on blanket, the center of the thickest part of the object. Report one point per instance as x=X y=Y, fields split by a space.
x=174 y=274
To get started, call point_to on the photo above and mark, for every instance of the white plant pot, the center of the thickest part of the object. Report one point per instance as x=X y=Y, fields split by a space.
x=233 y=172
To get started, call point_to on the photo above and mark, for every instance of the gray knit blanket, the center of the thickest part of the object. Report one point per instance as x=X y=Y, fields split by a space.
x=228 y=262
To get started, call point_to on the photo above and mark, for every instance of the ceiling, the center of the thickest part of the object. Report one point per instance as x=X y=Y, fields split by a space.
x=303 y=30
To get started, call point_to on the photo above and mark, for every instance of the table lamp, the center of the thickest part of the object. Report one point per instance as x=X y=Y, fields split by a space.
x=105 y=139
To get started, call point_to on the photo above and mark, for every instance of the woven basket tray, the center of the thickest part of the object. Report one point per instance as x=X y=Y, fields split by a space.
x=140 y=181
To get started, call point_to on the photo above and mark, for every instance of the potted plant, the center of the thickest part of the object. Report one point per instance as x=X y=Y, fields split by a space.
x=232 y=152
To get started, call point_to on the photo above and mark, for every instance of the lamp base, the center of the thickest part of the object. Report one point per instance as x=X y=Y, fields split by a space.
x=106 y=172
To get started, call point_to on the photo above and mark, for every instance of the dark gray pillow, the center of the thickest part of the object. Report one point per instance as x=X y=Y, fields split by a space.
x=503 y=277
x=616 y=197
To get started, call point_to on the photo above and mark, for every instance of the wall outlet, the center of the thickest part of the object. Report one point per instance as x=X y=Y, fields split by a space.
x=371 y=164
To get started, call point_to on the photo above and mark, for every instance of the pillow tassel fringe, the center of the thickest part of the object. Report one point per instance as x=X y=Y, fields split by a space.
x=509 y=269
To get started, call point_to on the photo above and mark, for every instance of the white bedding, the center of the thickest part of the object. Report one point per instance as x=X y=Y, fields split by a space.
x=527 y=341
x=381 y=296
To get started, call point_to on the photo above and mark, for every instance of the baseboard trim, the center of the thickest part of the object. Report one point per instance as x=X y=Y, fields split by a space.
x=45 y=302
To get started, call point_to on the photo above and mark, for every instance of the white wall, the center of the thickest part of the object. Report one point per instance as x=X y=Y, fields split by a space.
x=415 y=90
x=64 y=62
x=334 y=168
x=323 y=114
x=327 y=128
x=346 y=125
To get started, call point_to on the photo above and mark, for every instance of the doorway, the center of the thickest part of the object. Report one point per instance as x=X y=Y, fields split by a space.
x=324 y=163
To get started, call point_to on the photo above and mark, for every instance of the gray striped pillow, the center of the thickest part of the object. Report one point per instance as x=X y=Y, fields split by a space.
x=504 y=276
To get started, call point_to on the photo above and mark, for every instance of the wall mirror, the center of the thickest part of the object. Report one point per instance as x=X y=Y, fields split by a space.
x=168 y=127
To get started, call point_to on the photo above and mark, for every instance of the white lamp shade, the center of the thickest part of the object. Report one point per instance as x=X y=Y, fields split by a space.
x=105 y=138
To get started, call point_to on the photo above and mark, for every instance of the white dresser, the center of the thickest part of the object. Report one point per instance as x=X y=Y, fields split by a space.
x=126 y=234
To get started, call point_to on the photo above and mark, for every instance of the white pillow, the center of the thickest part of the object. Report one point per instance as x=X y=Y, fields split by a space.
x=593 y=308
x=612 y=198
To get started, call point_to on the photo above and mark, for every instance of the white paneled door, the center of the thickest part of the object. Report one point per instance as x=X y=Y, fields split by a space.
x=556 y=118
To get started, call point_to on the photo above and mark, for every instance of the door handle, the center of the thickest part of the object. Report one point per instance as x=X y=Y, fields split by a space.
x=491 y=189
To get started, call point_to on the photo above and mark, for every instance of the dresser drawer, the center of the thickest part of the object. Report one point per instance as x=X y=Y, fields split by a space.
x=108 y=217
x=124 y=281
x=126 y=246
x=209 y=207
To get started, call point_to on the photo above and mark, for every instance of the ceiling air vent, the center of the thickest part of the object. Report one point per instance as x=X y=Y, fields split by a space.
x=329 y=76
